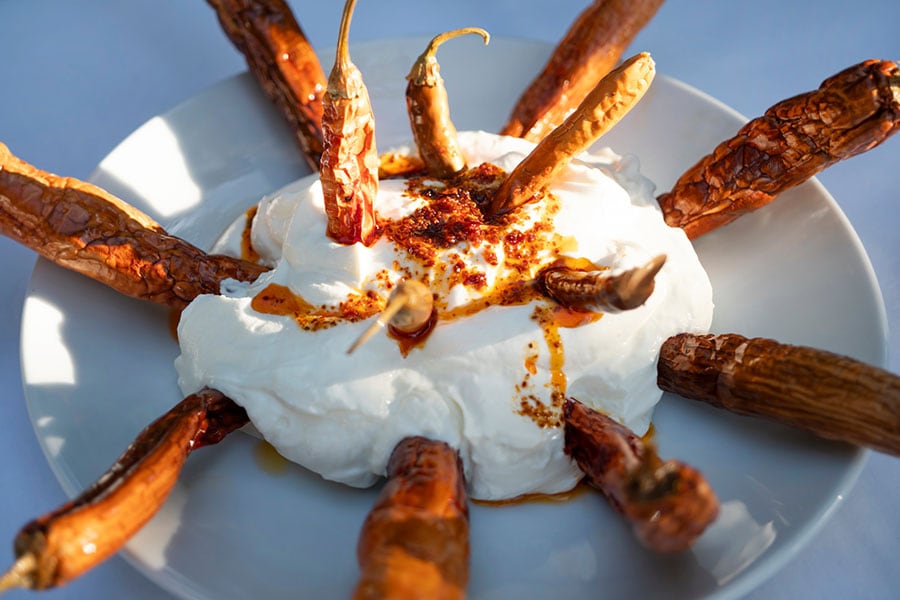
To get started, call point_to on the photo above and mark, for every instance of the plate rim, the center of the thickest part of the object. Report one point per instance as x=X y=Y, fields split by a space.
x=763 y=568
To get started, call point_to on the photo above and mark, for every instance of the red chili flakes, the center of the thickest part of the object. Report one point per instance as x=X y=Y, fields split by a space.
x=475 y=280
x=543 y=416
x=452 y=214
x=490 y=257
x=451 y=218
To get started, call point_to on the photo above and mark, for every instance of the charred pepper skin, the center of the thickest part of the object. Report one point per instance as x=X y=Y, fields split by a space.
x=850 y=113
x=284 y=64
x=85 y=229
x=349 y=166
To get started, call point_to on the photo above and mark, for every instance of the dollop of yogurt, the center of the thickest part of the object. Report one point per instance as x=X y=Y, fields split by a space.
x=491 y=376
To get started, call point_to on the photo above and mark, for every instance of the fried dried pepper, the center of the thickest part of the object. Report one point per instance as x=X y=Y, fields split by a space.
x=349 y=167
x=590 y=49
x=601 y=291
x=414 y=542
x=283 y=63
x=829 y=395
x=668 y=503
x=607 y=103
x=851 y=112
x=429 y=110
x=63 y=544
x=88 y=230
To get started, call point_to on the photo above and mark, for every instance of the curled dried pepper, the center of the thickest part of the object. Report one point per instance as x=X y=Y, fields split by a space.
x=349 y=167
x=429 y=110
x=601 y=291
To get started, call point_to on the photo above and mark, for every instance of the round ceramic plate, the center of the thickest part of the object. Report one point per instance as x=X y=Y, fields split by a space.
x=98 y=366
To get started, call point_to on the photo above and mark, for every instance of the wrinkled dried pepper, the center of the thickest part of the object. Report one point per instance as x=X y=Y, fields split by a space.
x=829 y=395
x=283 y=63
x=414 y=542
x=349 y=167
x=61 y=545
x=601 y=291
x=851 y=112
x=88 y=230
x=668 y=503
x=589 y=50
x=607 y=103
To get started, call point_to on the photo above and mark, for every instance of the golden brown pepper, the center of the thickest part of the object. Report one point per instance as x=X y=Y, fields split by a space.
x=829 y=395
x=601 y=291
x=605 y=106
x=61 y=545
x=83 y=228
x=429 y=110
x=590 y=49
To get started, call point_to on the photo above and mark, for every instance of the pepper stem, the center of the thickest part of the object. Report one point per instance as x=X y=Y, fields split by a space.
x=21 y=574
x=420 y=74
x=637 y=284
x=408 y=309
x=449 y=35
x=342 y=52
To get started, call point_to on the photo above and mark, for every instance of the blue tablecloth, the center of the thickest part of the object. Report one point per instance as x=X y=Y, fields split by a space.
x=77 y=77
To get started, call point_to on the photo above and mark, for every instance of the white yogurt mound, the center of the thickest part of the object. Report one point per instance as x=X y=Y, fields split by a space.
x=478 y=381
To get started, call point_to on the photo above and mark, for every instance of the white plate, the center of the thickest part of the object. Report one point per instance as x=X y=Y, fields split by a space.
x=98 y=367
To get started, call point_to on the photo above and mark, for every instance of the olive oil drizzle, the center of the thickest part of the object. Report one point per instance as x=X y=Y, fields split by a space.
x=451 y=218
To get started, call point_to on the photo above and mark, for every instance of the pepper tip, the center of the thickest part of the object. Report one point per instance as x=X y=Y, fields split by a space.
x=20 y=575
